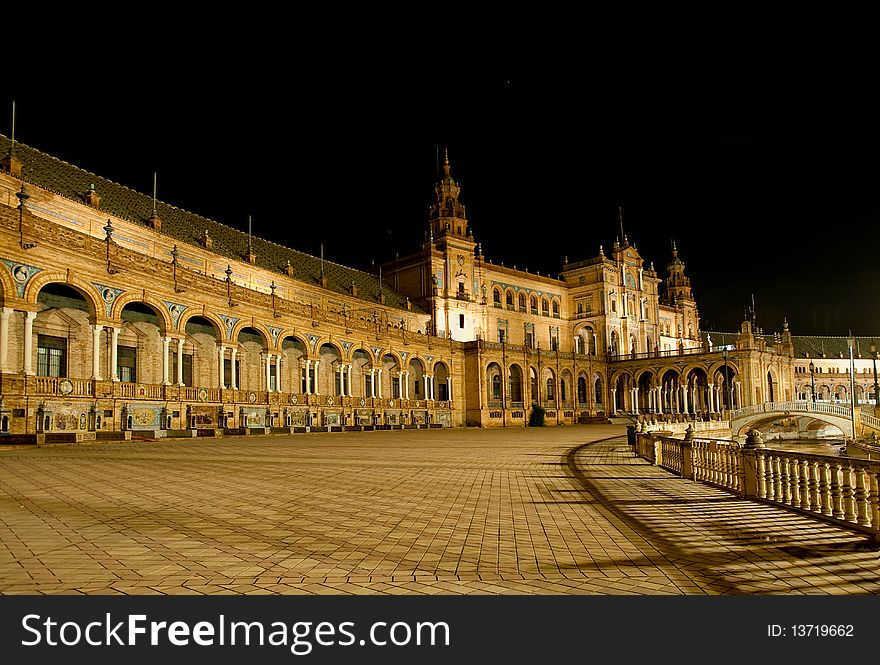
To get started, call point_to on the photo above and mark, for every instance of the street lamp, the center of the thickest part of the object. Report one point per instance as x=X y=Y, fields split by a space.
x=813 y=379
x=852 y=386
x=876 y=386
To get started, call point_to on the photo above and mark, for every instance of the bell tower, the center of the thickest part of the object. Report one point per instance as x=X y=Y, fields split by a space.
x=447 y=215
x=678 y=294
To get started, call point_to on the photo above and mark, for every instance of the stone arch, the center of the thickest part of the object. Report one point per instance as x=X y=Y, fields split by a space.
x=548 y=384
x=515 y=384
x=554 y=307
x=566 y=385
x=545 y=307
x=260 y=328
x=7 y=284
x=597 y=386
x=416 y=376
x=521 y=300
x=190 y=313
x=160 y=309
x=86 y=290
x=496 y=296
x=494 y=382
x=362 y=376
x=509 y=298
x=442 y=382
x=583 y=388
x=330 y=357
x=165 y=325
x=294 y=350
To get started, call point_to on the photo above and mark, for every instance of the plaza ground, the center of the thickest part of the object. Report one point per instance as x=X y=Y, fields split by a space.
x=564 y=510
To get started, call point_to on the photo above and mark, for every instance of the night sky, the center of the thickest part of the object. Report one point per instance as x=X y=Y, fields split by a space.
x=768 y=184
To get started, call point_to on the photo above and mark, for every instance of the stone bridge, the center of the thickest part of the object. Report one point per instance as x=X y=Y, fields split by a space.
x=839 y=415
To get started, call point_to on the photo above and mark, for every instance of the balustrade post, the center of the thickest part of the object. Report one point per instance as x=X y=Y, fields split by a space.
x=848 y=492
x=785 y=475
x=752 y=461
x=874 y=499
x=804 y=483
x=815 y=491
x=861 y=499
x=836 y=495
x=687 y=465
x=825 y=488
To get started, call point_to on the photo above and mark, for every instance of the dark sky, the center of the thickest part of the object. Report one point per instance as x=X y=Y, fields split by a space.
x=768 y=183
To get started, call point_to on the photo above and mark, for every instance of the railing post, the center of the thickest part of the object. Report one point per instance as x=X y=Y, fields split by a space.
x=754 y=443
x=687 y=464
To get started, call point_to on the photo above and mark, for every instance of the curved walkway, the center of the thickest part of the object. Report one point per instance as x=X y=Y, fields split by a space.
x=566 y=510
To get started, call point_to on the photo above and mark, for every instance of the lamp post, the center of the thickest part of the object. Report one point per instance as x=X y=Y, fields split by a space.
x=852 y=386
x=876 y=386
x=813 y=379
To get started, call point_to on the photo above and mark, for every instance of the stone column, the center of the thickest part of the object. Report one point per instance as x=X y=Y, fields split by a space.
x=4 y=337
x=340 y=369
x=114 y=354
x=268 y=372
x=278 y=375
x=28 y=364
x=233 y=371
x=180 y=361
x=317 y=385
x=427 y=392
x=405 y=380
x=221 y=353
x=433 y=395
x=308 y=369
x=379 y=381
x=684 y=399
x=348 y=384
x=614 y=401
x=96 y=352
x=166 y=342
x=372 y=382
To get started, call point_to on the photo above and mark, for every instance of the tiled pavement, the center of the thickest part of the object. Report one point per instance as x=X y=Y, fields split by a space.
x=521 y=511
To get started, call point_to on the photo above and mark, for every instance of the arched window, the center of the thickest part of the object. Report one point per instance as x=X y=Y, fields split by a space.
x=598 y=395
x=562 y=390
x=551 y=390
x=496 y=386
x=522 y=301
x=545 y=307
x=555 y=308
x=496 y=297
x=582 y=390
x=533 y=304
x=509 y=298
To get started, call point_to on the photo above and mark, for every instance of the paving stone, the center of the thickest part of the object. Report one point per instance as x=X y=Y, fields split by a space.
x=406 y=512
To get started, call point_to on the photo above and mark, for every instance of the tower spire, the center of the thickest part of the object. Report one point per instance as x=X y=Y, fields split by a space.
x=10 y=163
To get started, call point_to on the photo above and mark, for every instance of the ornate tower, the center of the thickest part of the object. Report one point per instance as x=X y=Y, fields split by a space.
x=447 y=214
x=678 y=294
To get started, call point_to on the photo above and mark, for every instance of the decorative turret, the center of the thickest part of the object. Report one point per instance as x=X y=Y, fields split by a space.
x=678 y=285
x=447 y=214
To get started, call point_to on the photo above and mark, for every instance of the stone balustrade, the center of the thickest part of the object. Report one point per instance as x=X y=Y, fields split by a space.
x=842 y=490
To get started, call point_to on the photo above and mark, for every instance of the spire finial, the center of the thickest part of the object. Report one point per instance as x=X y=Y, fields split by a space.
x=12 y=145
x=446 y=167
x=154 y=195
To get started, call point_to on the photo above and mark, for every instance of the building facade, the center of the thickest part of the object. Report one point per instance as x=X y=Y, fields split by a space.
x=121 y=313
